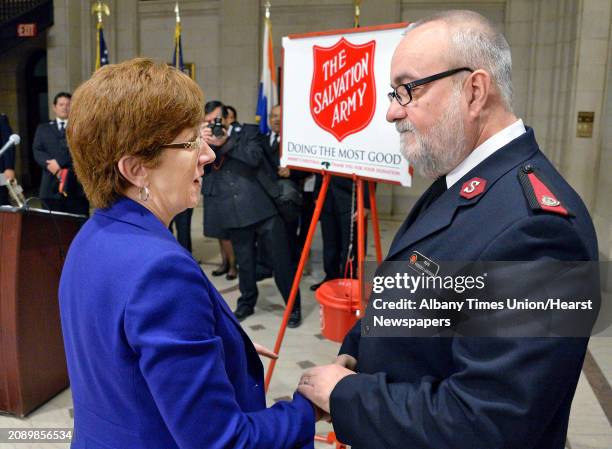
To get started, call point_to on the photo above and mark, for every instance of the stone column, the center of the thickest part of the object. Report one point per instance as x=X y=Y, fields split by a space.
x=581 y=158
x=126 y=30
x=602 y=212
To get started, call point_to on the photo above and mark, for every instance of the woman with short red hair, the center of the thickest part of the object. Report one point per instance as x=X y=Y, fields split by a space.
x=155 y=356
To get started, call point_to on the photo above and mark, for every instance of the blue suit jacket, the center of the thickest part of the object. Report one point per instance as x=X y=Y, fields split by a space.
x=155 y=356
x=472 y=393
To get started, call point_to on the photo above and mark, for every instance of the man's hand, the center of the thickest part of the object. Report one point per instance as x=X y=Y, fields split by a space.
x=262 y=350
x=320 y=415
x=347 y=361
x=52 y=166
x=210 y=139
x=284 y=172
x=9 y=174
x=366 y=212
x=317 y=383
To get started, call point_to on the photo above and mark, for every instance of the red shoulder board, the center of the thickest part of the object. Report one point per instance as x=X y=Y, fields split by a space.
x=538 y=193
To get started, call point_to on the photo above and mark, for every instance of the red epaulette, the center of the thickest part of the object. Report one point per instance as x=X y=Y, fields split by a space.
x=539 y=193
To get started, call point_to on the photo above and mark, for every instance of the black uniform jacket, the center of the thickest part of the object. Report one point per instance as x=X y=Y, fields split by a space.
x=468 y=392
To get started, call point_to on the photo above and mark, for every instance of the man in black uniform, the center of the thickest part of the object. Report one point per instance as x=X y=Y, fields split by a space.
x=243 y=207
x=271 y=144
x=496 y=198
x=59 y=187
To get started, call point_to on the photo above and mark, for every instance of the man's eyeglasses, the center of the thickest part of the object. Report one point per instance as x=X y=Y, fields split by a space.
x=403 y=92
x=193 y=145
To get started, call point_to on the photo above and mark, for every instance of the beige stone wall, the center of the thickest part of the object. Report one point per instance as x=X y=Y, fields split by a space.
x=602 y=211
x=200 y=37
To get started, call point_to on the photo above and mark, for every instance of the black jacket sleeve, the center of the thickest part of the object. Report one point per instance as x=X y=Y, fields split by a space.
x=350 y=344
x=246 y=146
x=41 y=153
x=7 y=160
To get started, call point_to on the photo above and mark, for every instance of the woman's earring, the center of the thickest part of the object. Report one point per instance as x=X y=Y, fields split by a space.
x=143 y=193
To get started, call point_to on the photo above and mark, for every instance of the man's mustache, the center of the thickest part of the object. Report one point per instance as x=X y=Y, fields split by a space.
x=404 y=126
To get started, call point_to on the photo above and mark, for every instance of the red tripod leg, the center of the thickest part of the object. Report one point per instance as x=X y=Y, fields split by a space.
x=298 y=275
x=375 y=223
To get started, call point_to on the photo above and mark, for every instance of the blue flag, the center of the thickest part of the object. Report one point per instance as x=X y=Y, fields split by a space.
x=101 y=50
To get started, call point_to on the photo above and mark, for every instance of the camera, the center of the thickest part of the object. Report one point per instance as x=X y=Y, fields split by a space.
x=217 y=127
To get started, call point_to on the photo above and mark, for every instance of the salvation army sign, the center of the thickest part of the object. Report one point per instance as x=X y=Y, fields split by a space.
x=335 y=87
x=343 y=91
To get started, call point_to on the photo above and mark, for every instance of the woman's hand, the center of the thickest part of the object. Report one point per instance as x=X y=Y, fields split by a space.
x=265 y=352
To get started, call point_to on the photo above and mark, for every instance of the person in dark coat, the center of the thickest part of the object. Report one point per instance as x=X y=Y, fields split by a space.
x=338 y=218
x=59 y=188
x=213 y=222
x=271 y=144
x=7 y=160
x=244 y=208
x=451 y=103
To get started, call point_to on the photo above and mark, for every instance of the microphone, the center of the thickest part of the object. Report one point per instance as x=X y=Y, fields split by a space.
x=14 y=139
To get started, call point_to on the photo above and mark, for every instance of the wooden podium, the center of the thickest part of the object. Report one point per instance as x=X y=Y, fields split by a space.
x=33 y=244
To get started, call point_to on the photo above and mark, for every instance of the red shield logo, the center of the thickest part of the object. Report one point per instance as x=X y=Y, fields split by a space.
x=343 y=90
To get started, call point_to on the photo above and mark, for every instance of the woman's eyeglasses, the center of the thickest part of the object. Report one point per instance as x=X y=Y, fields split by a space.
x=193 y=145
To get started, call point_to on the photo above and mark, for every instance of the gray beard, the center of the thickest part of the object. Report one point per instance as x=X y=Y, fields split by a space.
x=440 y=149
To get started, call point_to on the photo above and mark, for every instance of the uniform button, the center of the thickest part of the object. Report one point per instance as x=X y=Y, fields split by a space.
x=235 y=196
x=527 y=168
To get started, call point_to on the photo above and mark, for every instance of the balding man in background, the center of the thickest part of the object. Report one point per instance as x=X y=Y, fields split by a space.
x=452 y=105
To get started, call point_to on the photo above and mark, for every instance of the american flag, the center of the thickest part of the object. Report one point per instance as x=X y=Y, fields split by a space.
x=101 y=50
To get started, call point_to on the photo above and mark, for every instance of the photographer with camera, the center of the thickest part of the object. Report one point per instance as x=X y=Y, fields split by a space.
x=242 y=206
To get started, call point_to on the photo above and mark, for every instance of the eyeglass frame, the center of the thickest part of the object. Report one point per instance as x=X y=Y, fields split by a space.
x=412 y=84
x=191 y=145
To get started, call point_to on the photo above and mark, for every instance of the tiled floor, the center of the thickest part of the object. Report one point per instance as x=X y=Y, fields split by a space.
x=303 y=347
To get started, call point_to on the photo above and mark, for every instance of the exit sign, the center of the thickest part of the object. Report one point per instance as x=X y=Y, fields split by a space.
x=26 y=30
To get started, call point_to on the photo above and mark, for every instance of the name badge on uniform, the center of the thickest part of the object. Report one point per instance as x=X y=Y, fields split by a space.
x=421 y=264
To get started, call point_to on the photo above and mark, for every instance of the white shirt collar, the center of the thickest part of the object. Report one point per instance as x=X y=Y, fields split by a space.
x=272 y=137
x=59 y=121
x=484 y=150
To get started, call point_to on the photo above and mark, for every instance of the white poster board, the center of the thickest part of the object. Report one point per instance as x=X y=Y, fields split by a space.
x=335 y=87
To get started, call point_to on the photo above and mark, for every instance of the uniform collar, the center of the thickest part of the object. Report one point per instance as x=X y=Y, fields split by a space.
x=129 y=211
x=440 y=214
x=484 y=150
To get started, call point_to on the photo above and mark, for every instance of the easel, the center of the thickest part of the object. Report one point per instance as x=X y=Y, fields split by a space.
x=306 y=251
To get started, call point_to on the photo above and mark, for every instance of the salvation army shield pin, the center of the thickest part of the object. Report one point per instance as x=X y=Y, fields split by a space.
x=343 y=88
x=473 y=188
